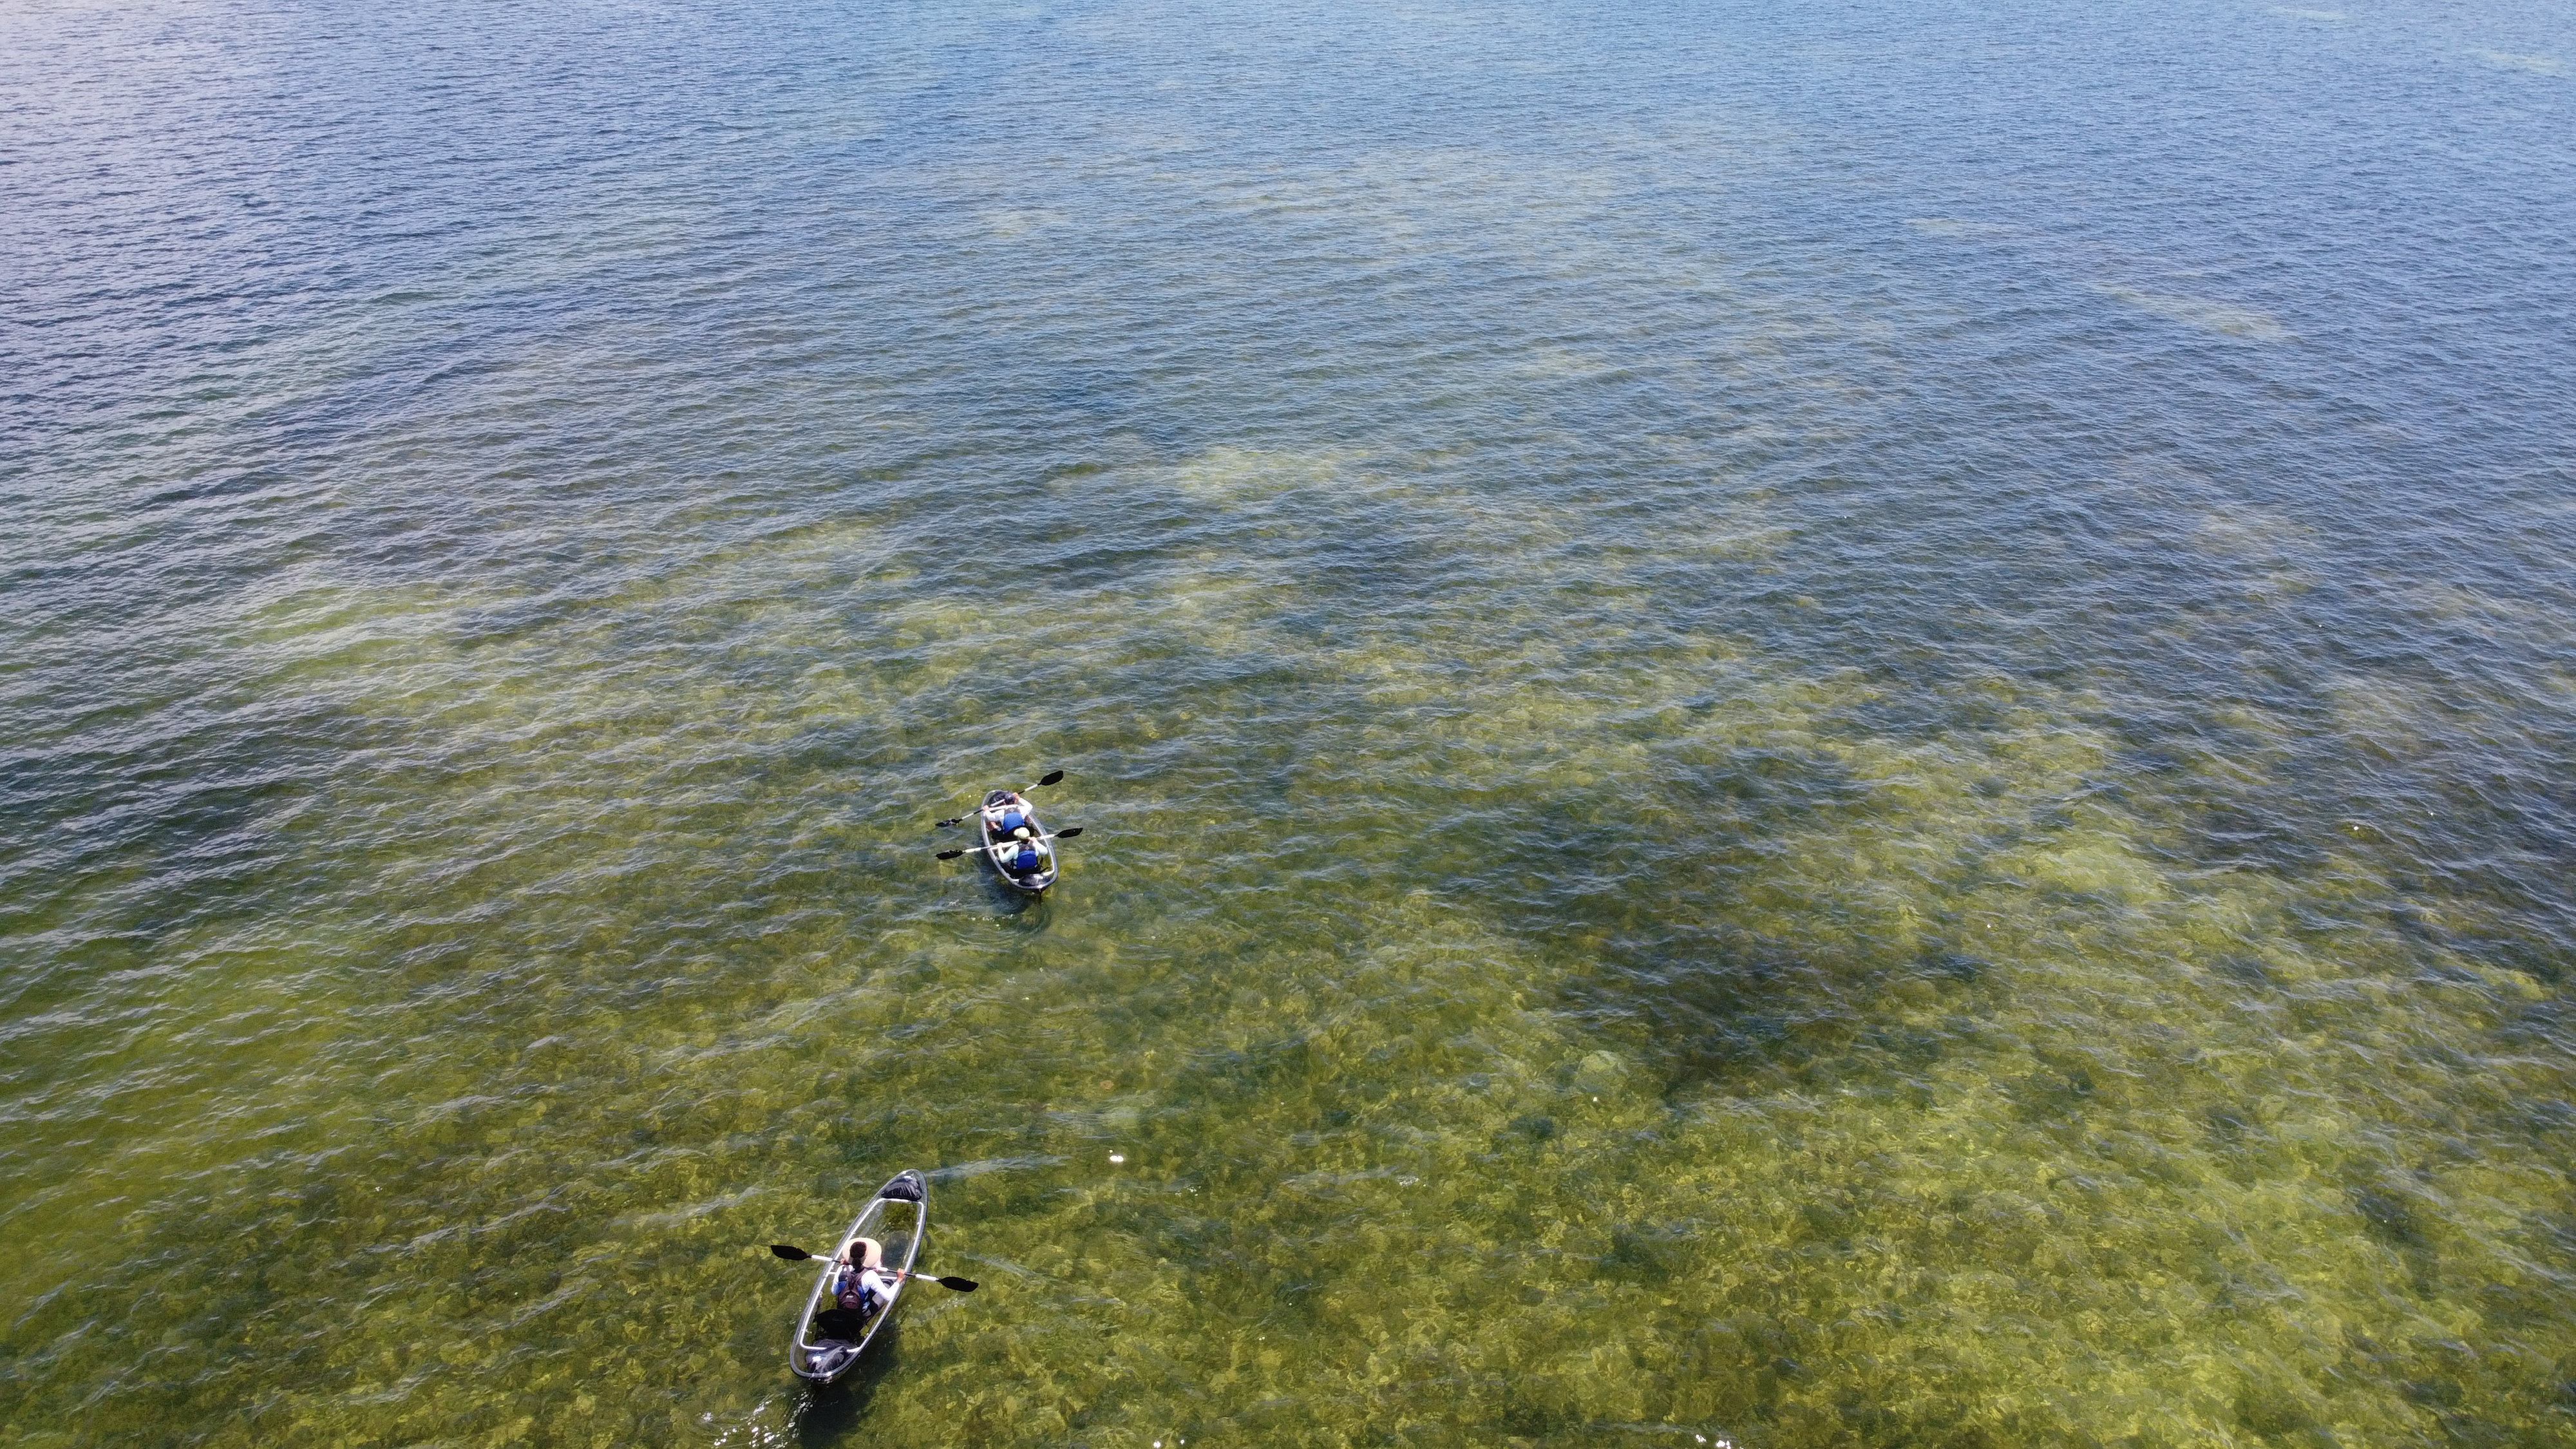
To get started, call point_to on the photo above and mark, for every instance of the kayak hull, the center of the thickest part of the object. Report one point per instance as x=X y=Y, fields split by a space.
x=896 y=1217
x=998 y=847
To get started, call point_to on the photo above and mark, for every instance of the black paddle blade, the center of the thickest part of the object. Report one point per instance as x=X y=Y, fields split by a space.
x=962 y=1285
x=1050 y=778
x=1068 y=834
x=944 y=824
x=793 y=1255
x=950 y=854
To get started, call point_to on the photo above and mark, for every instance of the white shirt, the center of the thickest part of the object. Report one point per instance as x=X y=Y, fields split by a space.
x=878 y=1283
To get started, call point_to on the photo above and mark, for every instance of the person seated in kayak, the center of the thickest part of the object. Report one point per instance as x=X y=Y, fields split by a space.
x=863 y=1270
x=863 y=1287
x=1028 y=861
x=1014 y=821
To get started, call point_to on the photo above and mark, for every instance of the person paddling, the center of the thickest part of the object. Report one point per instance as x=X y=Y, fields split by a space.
x=1028 y=862
x=864 y=1288
x=1013 y=822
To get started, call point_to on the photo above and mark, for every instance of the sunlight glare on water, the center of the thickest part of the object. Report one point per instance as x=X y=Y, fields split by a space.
x=1795 y=725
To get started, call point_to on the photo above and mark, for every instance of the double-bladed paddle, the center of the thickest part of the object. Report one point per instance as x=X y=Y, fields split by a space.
x=1050 y=778
x=1059 y=835
x=799 y=1255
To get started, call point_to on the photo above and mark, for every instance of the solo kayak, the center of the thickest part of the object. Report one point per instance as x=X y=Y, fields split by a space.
x=896 y=1218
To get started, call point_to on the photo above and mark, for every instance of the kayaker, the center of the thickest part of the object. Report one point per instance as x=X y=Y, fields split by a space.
x=864 y=1287
x=1015 y=818
x=1028 y=861
x=863 y=1269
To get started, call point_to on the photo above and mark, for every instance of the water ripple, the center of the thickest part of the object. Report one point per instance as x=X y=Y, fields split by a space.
x=1790 y=729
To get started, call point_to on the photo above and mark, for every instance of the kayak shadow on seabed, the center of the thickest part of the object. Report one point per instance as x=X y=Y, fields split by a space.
x=1012 y=905
x=1008 y=902
x=832 y=1411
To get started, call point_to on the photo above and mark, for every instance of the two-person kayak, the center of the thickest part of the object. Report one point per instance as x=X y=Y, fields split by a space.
x=1020 y=849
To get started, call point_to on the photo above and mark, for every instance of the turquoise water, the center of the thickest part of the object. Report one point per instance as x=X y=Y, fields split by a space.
x=1799 y=725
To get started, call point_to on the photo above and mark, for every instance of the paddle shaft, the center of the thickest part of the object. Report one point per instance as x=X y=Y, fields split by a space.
x=1049 y=778
x=795 y=1254
x=1058 y=835
x=962 y=1285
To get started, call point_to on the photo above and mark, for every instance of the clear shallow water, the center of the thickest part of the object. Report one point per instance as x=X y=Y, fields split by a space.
x=1813 y=725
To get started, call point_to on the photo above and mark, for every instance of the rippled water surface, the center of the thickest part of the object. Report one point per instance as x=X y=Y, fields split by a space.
x=1803 y=723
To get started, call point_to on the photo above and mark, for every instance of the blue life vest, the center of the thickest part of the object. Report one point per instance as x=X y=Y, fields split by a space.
x=1027 y=864
x=1013 y=820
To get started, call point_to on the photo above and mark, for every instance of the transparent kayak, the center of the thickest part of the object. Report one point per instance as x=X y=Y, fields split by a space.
x=1000 y=849
x=895 y=1217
